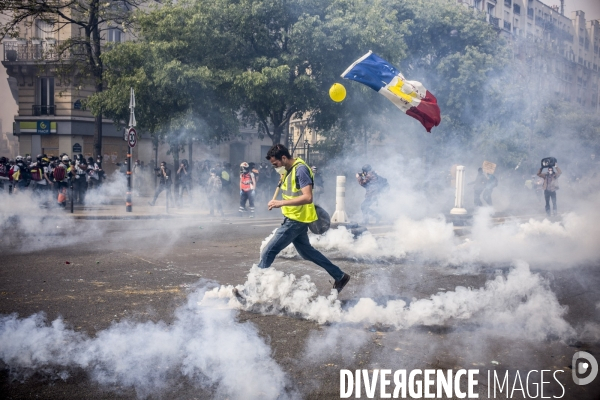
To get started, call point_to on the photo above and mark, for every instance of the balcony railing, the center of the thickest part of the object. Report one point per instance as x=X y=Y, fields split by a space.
x=495 y=21
x=38 y=110
x=507 y=26
x=28 y=51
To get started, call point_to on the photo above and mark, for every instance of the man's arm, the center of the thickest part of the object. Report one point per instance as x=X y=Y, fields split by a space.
x=305 y=198
x=540 y=174
x=558 y=171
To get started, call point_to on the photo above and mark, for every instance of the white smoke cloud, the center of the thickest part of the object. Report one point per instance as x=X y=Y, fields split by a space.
x=204 y=344
x=543 y=243
x=519 y=304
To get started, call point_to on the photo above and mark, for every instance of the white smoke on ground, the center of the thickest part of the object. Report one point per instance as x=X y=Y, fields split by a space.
x=206 y=345
x=36 y=222
x=116 y=186
x=519 y=304
x=543 y=243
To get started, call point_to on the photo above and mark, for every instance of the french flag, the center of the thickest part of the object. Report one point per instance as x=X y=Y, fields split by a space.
x=409 y=96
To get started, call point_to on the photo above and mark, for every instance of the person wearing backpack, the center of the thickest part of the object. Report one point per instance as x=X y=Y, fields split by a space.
x=247 y=189
x=39 y=175
x=61 y=178
x=20 y=174
x=92 y=175
x=79 y=179
x=374 y=184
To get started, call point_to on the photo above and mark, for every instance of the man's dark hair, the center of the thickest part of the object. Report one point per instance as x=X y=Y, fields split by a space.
x=277 y=152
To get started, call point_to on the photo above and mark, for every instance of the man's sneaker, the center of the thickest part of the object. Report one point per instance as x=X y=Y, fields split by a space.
x=150 y=203
x=339 y=285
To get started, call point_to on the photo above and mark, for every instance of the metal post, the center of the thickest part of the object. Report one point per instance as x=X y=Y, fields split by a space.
x=460 y=191
x=72 y=194
x=128 y=204
x=340 y=216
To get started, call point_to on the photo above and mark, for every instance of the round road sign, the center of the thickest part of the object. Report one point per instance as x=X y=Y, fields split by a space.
x=132 y=137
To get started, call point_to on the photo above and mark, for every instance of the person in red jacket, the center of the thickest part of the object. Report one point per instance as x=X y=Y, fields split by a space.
x=247 y=188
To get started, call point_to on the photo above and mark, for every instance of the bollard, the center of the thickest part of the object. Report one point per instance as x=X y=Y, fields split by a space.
x=460 y=192
x=340 y=216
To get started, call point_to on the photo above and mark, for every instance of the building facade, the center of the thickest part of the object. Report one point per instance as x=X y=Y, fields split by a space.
x=51 y=119
x=563 y=49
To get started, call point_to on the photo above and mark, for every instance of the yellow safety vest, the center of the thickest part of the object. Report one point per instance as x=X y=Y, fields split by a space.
x=305 y=213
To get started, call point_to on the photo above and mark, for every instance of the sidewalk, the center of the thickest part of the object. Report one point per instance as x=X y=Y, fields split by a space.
x=140 y=210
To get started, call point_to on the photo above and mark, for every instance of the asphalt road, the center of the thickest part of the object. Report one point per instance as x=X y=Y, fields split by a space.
x=93 y=274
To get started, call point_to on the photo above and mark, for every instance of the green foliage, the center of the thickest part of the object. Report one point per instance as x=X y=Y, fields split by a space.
x=271 y=60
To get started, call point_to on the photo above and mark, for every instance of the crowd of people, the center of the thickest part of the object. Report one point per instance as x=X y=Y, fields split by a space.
x=51 y=176
x=58 y=179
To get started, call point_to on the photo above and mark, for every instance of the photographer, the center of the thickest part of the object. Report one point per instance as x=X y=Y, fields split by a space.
x=184 y=177
x=164 y=183
x=550 y=186
x=374 y=184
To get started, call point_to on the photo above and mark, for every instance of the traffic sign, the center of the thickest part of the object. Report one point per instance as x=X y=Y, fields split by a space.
x=132 y=137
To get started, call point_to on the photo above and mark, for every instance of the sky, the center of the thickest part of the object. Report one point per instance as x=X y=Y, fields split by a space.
x=590 y=7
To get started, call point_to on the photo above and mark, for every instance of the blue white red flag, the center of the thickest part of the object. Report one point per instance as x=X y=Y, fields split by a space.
x=409 y=96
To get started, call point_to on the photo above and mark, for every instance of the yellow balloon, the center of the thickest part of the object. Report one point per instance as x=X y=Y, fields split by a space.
x=337 y=92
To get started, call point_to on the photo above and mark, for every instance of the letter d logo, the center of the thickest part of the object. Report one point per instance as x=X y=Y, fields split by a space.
x=583 y=367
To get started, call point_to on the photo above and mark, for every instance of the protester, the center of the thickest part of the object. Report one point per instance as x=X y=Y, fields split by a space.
x=550 y=186
x=478 y=186
x=299 y=211
x=184 y=178
x=164 y=183
x=319 y=187
x=213 y=191
x=490 y=183
x=61 y=177
x=79 y=183
x=374 y=184
x=247 y=189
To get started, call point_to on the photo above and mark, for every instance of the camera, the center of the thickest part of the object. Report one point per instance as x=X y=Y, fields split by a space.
x=157 y=169
x=548 y=162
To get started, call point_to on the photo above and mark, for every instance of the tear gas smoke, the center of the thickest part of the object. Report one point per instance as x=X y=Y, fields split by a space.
x=204 y=344
x=519 y=304
x=544 y=244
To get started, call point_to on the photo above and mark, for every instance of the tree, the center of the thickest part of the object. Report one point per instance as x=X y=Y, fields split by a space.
x=271 y=60
x=80 y=54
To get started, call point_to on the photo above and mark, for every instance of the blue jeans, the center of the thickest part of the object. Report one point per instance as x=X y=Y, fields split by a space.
x=296 y=232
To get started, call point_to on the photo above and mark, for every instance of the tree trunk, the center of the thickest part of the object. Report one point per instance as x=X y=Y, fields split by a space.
x=95 y=62
x=98 y=130
x=190 y=160
x=175 y=147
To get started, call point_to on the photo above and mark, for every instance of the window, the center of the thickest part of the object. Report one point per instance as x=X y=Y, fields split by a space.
x=114 y=35
x=490 y=9
x=43 y=29
x=517 y=9
x=530 y=13
x=507 y=3
x=45 y=95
